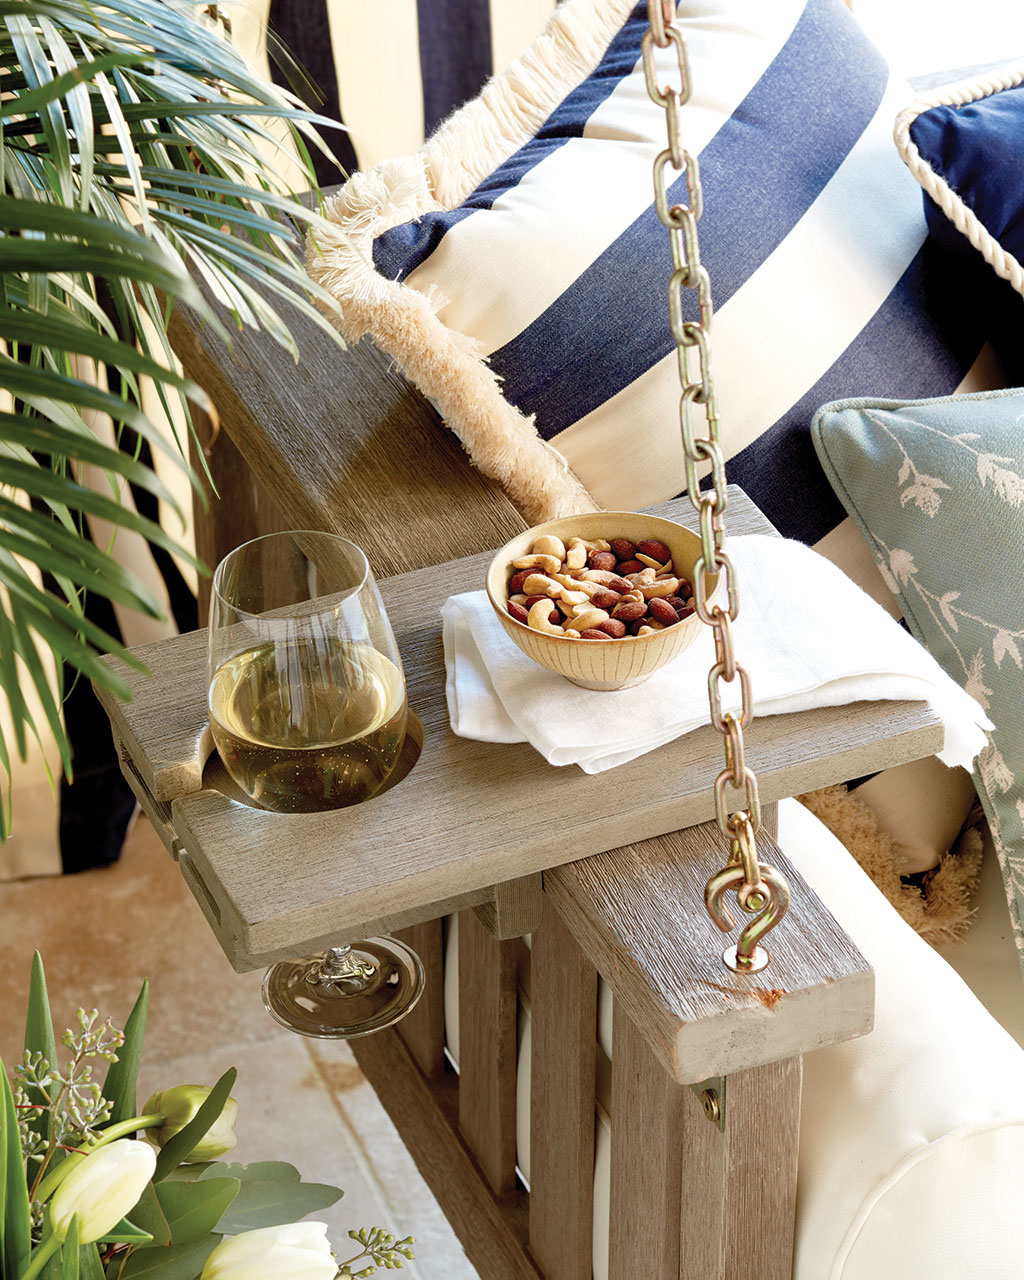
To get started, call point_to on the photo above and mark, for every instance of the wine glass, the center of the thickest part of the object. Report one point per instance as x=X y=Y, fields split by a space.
x=308 y=711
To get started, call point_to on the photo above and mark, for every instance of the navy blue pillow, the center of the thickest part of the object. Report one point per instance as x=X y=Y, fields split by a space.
x=965 y=145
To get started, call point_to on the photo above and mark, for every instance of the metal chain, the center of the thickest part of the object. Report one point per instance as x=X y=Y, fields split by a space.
x=759 y=888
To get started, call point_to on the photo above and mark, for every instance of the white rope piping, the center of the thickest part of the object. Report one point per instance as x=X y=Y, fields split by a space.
x=962 y=217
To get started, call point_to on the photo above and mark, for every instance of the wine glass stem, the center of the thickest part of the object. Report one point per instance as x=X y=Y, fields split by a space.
x=343 y=968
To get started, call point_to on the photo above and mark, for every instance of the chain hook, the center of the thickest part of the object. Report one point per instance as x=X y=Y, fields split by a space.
x=759 y=889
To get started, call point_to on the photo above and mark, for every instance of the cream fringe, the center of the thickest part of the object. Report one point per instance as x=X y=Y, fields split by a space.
x=940 y=910
x=962 y=217
x=445 y=365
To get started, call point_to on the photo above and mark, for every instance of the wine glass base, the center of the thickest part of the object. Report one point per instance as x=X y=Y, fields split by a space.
x=325 y=1011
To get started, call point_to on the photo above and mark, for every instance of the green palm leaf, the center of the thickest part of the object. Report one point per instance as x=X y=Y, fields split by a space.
x=135 y=161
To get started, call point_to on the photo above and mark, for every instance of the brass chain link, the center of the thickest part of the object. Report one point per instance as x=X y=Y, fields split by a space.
x=758 y=887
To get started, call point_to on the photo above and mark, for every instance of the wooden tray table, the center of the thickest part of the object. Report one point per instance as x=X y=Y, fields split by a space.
x=472 y=823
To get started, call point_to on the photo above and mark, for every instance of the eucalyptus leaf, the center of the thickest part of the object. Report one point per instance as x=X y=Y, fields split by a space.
x=149 y=1215
x=271 y=1193
x=193 y=1209
x=177 y=1262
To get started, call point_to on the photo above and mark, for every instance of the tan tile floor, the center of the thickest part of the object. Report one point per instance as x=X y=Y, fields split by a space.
x=102 y=932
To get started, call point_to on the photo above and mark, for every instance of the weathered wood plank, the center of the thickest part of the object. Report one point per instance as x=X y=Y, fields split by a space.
x=739 y=1181
x=646 y=1168
x=237 y=507
x=564 y=1034
x=516 y=907
x=487 y=1051
x=157 y=811
x=638 y=913
x=423 y=1028
x=345 y=445
x=493 y=1234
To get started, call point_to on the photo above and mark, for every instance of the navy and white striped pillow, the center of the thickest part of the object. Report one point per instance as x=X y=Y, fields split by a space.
x=390 y=75
x=515 y=267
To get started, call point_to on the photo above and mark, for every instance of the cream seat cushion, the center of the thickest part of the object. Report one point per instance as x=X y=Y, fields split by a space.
x=912 y=1138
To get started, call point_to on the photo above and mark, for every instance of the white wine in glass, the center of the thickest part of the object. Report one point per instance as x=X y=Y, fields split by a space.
x=308 y=712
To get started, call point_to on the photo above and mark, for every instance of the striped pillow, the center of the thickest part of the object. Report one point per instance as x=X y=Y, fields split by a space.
x=516 y=270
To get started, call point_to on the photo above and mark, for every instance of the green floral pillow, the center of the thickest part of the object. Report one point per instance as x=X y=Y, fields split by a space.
x=936 y=487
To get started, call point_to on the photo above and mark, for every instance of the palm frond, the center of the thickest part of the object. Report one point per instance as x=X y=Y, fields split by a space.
x=136 y=159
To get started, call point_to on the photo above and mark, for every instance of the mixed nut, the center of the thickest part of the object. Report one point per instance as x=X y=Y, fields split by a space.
x=592 y=589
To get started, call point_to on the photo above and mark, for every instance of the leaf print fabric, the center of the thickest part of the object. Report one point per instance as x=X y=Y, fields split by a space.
x=936 y=488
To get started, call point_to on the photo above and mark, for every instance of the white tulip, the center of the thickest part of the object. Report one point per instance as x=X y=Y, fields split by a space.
x=298 y=1250
x=102 y=1189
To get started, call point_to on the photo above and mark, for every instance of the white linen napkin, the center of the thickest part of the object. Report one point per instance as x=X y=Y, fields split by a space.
x=807 y=635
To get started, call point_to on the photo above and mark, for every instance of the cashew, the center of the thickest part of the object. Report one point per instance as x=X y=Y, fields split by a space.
x=604 y=577
x=548 y=564
x=574 y=597
x=662 y=587
x=576 y=555
x=638 y=579
x=649 y=628
x=519 y=598
x=575 y=585
x=539 y=618
x=656 y=565
x=548 y=545
x=589 y=618
x=596 y=544
x=539 y=584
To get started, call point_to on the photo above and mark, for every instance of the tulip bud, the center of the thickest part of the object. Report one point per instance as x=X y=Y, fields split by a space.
x=102 y=1189
x=179 y=1105
x=298 y=1250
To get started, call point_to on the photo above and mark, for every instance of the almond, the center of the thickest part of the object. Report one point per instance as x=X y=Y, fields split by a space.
x=655 y=549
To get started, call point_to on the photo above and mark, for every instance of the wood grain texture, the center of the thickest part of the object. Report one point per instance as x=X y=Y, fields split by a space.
x=564 y=1031
x=292 y=883
x=236 y=509
x=646 y=1167
x=739 y=1183
x=487 y=1051
x=158 y=812
x=345 y=445
x=516 y=907
x=423 y=1028
x=492 y=1233
x=638 y=913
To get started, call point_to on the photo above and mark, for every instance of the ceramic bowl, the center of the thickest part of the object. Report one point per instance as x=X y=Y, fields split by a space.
x=599 y=664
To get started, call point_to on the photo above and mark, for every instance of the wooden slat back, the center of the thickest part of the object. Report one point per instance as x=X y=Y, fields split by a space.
x=423 y=1028
x=646 y=1171
x=563 y=1003
x=739 y=1183
x=488 y=1001
x=493 y=1234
